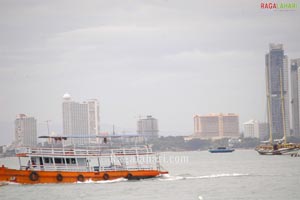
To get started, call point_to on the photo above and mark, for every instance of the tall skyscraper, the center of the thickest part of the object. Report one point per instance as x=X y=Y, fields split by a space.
x=277 y=84
x=80 y=119
x=216 y=126
x=25 y=131
x=295 y=92
x=148 y=126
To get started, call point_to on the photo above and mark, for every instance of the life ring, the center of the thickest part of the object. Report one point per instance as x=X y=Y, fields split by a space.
x=34 y=176
x=129 y=176
x=59 y=177
x=80 y=178
x=105 y=176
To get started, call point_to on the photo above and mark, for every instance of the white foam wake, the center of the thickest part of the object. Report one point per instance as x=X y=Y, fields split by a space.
x=107 y=181
x=168 y=177
x=4 y=183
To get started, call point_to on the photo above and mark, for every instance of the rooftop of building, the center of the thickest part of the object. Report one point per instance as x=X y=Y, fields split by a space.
x=217 y=115
x=274 y=46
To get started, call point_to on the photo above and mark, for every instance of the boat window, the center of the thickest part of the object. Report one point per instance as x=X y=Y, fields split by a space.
x=59 y=160
x=48 y=160
x=81 y=161
x=70 y=161
x=33 y=161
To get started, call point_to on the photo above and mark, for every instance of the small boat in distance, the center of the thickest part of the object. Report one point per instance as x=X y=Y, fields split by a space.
x=221 y=150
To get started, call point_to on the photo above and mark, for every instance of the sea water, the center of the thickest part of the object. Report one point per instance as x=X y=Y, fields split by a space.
x=242 y=174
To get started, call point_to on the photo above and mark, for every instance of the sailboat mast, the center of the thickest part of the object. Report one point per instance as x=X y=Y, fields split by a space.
x=282 y=107
x=269 y=106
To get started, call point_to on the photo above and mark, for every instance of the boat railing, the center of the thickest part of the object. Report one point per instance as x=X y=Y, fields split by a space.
x=25 y=151
x=55 y=168
x=88 y=168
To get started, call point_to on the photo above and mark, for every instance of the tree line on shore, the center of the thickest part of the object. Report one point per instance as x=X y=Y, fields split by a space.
x=178 y=143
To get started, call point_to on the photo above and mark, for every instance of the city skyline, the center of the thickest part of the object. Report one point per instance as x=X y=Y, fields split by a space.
x=167 y=59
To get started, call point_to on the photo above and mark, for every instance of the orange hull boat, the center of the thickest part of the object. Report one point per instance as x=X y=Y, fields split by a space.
x=71 y=165
x=35 y=177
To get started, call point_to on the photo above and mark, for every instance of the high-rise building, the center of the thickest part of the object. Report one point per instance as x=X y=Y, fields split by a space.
x=207 y=126
x=263 y=131
x=251 y=129
x=94 y=118
x=277 y=87
x=255 y=129
x=25 y=131
x=80 y=119
x=216 y=126
x=148 y=126
x=295 y=94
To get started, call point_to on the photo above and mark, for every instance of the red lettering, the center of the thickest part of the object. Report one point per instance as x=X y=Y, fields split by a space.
x=268 y=5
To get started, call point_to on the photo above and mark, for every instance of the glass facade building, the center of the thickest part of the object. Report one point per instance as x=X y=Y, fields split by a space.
x=277 y=90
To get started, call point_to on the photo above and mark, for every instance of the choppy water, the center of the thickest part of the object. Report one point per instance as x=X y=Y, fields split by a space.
x=193 y=175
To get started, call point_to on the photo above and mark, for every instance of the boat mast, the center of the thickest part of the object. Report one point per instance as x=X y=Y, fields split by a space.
x=269 y=106
x=282 y=108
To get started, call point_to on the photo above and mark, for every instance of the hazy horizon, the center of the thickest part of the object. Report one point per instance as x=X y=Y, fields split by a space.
x=168 y=59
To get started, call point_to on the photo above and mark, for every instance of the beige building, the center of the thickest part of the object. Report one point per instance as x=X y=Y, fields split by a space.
x=215 y=126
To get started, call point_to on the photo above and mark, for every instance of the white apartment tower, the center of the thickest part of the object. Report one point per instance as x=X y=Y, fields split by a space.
x=256 y=129
x=251 y=129
x=80 y=119
x=25 y=131
x=93 y=118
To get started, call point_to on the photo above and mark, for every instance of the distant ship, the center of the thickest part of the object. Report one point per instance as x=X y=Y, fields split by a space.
x=72 y=164
x=221 y=150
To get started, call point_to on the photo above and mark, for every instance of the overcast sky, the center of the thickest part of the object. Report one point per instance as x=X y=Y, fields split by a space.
x=167 y=58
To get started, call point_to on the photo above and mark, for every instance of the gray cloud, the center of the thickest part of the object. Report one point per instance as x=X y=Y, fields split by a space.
x=171 y=59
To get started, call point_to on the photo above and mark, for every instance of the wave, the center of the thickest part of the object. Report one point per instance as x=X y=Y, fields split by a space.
x=167 y=177
x=104 y=181
x=4 y=183
x=164 y=177
x=200 y=197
